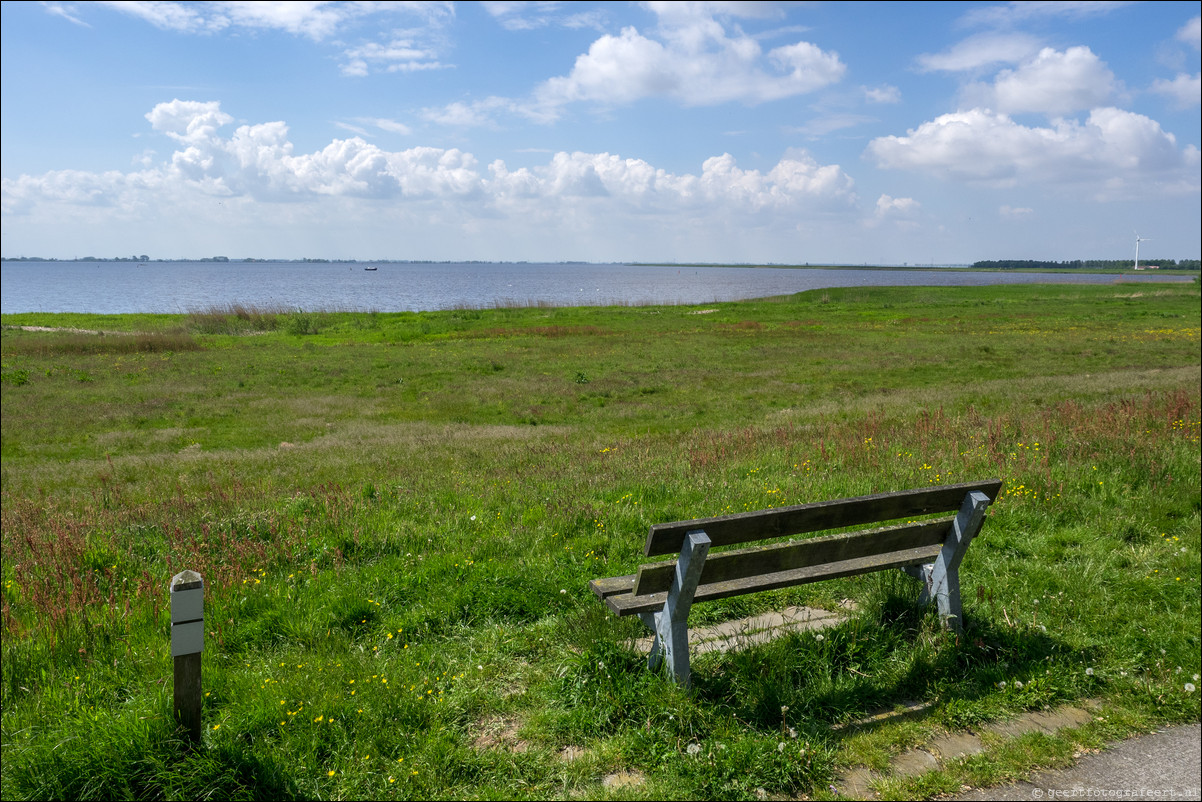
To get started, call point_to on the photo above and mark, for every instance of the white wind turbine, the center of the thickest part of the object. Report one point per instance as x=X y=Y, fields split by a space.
x=1138 y=240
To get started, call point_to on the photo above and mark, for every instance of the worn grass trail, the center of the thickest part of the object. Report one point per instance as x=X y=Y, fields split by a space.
x=397 y=516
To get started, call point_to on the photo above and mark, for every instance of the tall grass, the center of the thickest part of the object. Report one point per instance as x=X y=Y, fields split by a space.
x=101 y=343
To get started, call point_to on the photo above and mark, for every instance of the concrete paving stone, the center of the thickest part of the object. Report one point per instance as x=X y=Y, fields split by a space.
x=913 y=761
x=735 y=642
x=1049 y=721
x=855 y=784
x=790 y=616
x=772 y=620
x=753 y=631
x=954 y=745
x=1013 y=728
x=1053 y=720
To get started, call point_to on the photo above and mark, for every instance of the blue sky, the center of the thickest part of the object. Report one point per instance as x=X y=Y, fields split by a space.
x=717 y=132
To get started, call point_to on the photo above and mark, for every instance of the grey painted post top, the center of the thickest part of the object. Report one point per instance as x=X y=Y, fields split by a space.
x=186 y=580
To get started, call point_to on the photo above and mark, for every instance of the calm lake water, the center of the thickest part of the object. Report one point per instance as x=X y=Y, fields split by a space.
x=120 y=287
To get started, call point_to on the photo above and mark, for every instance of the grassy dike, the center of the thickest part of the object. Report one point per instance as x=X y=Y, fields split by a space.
x=397 y=516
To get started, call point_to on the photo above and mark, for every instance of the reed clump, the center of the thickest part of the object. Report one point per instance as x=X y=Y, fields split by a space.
x=236 y=319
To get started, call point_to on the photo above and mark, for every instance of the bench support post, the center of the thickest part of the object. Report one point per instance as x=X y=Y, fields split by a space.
x=941 y=579
x=671 y=625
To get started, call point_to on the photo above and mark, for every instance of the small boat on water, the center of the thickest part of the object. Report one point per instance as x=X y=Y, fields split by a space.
x=373 y=267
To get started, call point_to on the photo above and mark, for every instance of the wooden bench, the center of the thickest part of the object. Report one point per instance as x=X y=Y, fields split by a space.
x=930 y=550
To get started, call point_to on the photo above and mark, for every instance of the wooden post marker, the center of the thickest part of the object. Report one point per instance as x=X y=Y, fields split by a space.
x=187 y=643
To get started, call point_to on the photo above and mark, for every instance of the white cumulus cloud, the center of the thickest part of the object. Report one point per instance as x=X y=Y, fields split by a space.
x=694 y=56
x=693 y=60
x=1054 y=83
x=188 y=120
x=1113 y=150
x=1184 y=90
x=258 y=162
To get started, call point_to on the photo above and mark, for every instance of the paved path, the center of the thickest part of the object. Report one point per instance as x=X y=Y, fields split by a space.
x=1163 y=765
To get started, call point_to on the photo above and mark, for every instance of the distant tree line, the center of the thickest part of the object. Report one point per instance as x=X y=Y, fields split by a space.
x=1088 y=264
x=134 y=258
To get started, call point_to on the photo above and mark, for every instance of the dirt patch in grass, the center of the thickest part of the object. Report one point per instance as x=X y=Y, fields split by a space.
x=570 y=753
x=742 y=325
x=539 y=331
x=500 y=733
x=624 y=779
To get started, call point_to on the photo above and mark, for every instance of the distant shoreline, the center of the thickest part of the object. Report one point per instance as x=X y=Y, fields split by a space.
x=942 y=268
x=935 y=268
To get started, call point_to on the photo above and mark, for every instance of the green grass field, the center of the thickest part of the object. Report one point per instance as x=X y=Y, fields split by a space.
x=397 y=516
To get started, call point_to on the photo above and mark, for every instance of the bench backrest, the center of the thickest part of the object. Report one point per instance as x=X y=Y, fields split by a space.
x=855 y=552
x=747 y=527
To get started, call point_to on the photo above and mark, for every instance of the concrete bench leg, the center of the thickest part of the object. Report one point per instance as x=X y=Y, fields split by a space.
x=941 y=579
x=671 y=625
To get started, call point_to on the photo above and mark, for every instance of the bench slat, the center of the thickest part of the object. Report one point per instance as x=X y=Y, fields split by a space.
x=604 y=588
x=668 y=538
x=629 y=604
x=772 y=559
